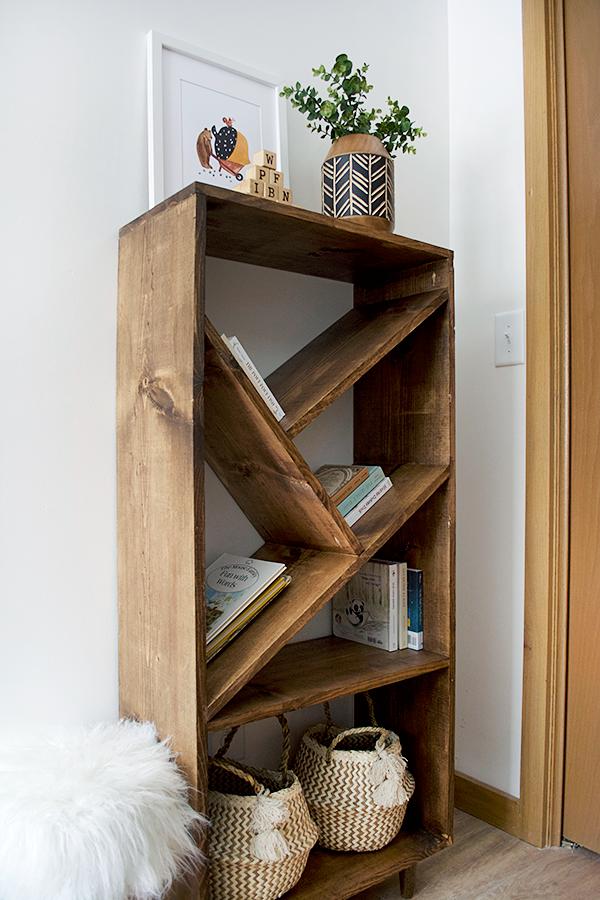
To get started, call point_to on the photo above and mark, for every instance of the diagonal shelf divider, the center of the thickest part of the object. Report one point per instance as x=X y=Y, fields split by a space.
x=316 y=576
x=320 y=372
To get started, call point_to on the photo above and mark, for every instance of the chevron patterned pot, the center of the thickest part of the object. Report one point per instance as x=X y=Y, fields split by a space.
x=357 y=181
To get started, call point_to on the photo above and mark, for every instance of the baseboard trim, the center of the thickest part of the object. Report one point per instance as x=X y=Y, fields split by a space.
x=487 y=803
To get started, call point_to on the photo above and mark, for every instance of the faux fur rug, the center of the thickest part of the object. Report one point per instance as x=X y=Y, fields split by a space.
x=96 y=813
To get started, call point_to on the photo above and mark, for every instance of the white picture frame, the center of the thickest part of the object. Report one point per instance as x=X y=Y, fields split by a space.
x=189 y=87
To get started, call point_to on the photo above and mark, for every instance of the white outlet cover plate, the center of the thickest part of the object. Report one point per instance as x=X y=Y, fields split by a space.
x=510 y=338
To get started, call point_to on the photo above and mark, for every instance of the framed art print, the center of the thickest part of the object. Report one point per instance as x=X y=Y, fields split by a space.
x=207 y=116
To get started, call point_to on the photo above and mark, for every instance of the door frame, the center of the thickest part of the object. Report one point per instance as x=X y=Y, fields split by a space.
x=539 y=818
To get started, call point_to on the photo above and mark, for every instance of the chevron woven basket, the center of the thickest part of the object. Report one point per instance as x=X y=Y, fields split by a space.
x=260 y=830
x=356 y=785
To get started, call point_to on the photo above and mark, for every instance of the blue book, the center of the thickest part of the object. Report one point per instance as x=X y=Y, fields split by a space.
x=415 y=608
x=359 y=493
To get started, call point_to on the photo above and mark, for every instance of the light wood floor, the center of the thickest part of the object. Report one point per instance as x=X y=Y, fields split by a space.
x=487 y=864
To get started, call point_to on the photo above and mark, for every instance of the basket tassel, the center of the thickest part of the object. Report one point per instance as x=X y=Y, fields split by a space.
x=269 y=845
x=387 y=774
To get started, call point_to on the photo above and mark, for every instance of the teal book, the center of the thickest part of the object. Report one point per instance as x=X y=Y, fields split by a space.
x=414 y=591
x=359 y=493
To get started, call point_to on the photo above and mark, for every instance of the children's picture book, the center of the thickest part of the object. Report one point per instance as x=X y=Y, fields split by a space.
x=374 y=477
x=366 y=608
x=219 y=641
x=232 y=583
x=339 y=481
x=415 y=608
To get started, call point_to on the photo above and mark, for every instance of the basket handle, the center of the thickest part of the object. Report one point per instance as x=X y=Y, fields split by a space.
x=368 y=729
x=329 y=719
x=283 y=762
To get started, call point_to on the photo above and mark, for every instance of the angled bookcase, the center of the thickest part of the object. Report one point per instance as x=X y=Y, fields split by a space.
x=182 y=399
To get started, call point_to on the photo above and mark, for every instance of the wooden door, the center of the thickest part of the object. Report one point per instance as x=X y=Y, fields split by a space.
x=581 y=813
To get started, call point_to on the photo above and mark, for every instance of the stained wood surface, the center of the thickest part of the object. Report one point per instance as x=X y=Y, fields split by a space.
x=159 y=480
x=582 y=747
x=318 y=374
x=260 y=466
x=324 y=669
x=316 y=576
x=338 y=876
x=487 y=864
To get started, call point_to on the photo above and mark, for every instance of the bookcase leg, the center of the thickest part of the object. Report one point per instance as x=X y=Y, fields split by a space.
x=407 y=881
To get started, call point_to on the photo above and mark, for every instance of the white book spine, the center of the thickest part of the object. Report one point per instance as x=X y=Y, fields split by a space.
x=250 y=369
x=359 y=510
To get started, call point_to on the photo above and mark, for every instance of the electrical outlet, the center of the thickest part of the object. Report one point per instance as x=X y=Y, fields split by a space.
x=510 y=338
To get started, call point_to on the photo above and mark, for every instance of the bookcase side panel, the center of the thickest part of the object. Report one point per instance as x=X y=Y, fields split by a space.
x=159 y=464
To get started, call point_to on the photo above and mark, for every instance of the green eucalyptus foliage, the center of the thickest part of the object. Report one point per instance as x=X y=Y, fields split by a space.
x=345 y=112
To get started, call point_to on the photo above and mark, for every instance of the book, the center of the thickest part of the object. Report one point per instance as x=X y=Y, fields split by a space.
x=232 y=583
x=256 y=378
x=219 y=641
x=402 y=606
x=365 y=610
x=359 y=493
x=415 y=608
x=340 y=481
x=372 y=498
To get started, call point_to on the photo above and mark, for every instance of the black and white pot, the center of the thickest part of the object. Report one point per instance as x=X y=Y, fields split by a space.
x=358 y=181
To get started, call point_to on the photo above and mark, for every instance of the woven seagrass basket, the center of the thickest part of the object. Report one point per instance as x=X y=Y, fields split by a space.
x=260 y=829
x=356 y=784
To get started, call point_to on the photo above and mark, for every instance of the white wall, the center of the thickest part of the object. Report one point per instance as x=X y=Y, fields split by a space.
x=73 y=169
x=73 y=166
x=487 y=233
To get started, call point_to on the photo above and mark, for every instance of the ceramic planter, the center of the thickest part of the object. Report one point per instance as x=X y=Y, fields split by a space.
x=358 y=181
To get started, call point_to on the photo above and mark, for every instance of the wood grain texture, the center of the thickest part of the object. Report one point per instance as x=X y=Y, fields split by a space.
x=318 y=374
x=547 y=426
x=158 y=465
x=581 y=822
x=260 y=466
x=486 y=803
x=325 y=668
x=486 y=864
x=339 y=876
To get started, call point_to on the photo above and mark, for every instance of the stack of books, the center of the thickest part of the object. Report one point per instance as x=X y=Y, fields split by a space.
x=237 y=589
x=382 y=606
x=353 y=489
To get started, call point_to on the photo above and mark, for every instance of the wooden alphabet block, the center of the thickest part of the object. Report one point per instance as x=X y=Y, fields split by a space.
x=258 y=173
x=272 y=192
x=265 y=158
x=285 y=195
x=275 y=178
x=251 y=186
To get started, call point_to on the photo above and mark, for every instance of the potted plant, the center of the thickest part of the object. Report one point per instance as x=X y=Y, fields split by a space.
x=358 y=172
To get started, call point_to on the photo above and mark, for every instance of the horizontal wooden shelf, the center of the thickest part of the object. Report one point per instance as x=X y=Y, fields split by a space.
x=317 y=375
x=316 y=576
x=310 y=672
x=277 y=236
x=338 y=876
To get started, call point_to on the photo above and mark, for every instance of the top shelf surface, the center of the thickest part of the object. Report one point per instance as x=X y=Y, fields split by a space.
x=277 y=236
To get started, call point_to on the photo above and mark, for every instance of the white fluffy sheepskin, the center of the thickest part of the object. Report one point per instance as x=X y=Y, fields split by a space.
x=96 y=813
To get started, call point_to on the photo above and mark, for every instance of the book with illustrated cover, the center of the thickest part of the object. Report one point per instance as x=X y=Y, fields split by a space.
x=415 y=608
x=340 y=481
x=255 y=377
x=375 y=476
x=360 y=509
x=365 y=610
x=239 y=622
x=232 y=583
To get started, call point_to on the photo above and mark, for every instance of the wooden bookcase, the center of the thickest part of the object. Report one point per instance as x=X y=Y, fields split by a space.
x=183 y=398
